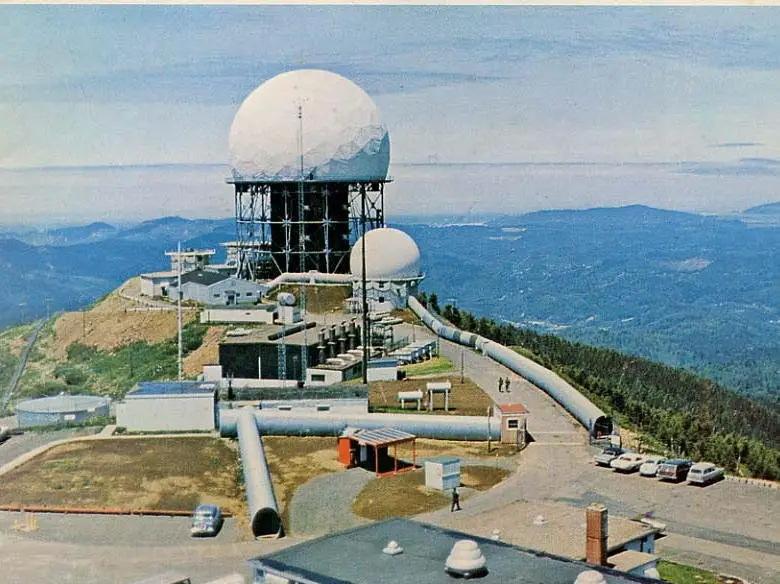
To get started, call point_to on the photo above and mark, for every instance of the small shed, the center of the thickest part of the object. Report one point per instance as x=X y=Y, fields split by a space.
x=385 y=369
x=370 y=449
x=442 y=473
x=513 y=423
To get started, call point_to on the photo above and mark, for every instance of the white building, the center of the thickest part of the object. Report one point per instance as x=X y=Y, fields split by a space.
x=156 y=284
x=392 y=270
x=190 y=259
x=215 y=288
x=169 y=406
x=262 y=313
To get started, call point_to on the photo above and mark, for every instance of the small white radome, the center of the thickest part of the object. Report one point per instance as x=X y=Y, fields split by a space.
x=390 y=255
x=343 y=136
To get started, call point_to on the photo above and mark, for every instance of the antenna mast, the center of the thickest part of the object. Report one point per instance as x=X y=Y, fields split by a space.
x=178 y=304
x=302 y=244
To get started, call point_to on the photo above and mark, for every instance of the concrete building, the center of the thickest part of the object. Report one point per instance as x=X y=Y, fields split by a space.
x=214 y=288
x=255 y=354
x=420 y=555
x=392 y=270
x=261 y=313
x=169 y=406
x=156 y=284
x=383 y=369
x=190 y=259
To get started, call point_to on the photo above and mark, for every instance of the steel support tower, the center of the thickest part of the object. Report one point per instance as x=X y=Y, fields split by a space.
x=303 y=225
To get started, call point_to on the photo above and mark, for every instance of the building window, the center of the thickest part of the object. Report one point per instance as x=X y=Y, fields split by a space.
x=512 y=424
x=249 y=294
x=318 y=377
x=323 y=408
x=284 y=407
x=217 y=295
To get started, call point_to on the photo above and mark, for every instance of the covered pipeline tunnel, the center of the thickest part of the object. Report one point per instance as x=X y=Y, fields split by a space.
x=584 y=411
x=247 y=424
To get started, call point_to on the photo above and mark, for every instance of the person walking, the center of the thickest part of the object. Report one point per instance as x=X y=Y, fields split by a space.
x=455 y=500
x=506 y=385
x=500 y=385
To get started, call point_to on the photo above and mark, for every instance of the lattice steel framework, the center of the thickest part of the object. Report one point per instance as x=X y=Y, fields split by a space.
x=301 y=225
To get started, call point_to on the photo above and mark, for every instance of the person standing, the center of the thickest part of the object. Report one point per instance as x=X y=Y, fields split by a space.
x=455 y=500
x=506 y=385
x=500 y=385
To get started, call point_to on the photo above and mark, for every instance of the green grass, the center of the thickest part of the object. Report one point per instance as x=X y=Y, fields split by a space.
x=113 y=373
x=432 y=366
x=682 y=574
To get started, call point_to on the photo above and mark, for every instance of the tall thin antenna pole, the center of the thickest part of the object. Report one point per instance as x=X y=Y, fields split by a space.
x=302 y=244
x=178 y=306
x=366 y=334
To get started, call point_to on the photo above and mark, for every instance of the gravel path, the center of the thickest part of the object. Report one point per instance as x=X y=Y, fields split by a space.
x=324 y=504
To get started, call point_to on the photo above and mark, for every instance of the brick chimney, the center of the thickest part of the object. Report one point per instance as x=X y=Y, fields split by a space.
x=596 y=534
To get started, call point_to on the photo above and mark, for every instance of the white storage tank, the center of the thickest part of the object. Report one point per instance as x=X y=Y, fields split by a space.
x=442 y=473
x=61 y=410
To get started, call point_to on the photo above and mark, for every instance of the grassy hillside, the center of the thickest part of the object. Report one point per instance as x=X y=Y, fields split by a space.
x=109 y=347
x=674 y=409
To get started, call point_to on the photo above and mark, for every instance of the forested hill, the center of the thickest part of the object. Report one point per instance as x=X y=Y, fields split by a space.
x=678 y=411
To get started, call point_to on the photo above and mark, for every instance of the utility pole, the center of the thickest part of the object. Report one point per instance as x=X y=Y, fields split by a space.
x=302 y=245
x=366 y=335
x=178 y=305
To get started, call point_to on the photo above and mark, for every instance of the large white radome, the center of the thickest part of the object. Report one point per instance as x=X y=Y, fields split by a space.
x=343 y=136
x=390 y=255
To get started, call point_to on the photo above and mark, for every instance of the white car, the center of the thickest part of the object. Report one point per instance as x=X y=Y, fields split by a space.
x=703 y=473
x=650 y=466
x=628 y=462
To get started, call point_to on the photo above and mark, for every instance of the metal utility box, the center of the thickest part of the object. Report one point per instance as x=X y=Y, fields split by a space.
x=442 y=473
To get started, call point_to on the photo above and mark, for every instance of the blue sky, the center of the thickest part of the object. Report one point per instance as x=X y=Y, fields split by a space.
x=676 y=107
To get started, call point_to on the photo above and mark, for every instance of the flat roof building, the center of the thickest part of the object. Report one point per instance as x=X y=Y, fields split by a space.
x=356 y=556
x=170 y=406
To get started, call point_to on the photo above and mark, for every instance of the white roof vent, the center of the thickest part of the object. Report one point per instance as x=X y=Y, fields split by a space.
x=496 y=535
x=539 y=520
x=392 y=548
x=590 y=577
x=466 y=560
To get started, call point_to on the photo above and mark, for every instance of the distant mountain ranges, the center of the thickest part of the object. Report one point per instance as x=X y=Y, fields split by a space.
x=689 y=290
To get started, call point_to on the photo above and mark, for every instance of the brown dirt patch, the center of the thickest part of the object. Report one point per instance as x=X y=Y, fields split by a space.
x=114 y=322
x=206 y=354
x=481 y=477
x=129 y=473
x=466 y=399
x=400 y=495
x=319 y=299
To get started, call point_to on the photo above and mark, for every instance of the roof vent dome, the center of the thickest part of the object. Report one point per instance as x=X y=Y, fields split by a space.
x=390 y=255
x=343 y=136
x=466 y=560
x=392 y=548
x=590 y=577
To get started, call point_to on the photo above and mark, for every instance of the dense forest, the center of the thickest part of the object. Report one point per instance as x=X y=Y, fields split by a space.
x=682 y=413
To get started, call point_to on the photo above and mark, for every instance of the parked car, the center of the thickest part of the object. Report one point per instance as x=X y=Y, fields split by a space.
x=650 y=466
x=206 y=520
x=606 y=456
x=627 y=462
x=674 y=470
x=703 y=473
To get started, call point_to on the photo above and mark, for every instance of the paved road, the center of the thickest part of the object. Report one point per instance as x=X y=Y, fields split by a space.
x=557 y=468
x=16 y=446
x=119 y=550
x=324 y=504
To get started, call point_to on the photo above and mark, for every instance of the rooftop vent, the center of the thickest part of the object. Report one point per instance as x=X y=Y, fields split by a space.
x=590 y=577
x=392 y=548
x=466 y=560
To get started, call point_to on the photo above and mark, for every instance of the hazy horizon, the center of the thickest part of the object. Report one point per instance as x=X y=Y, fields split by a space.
x=574 y=106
